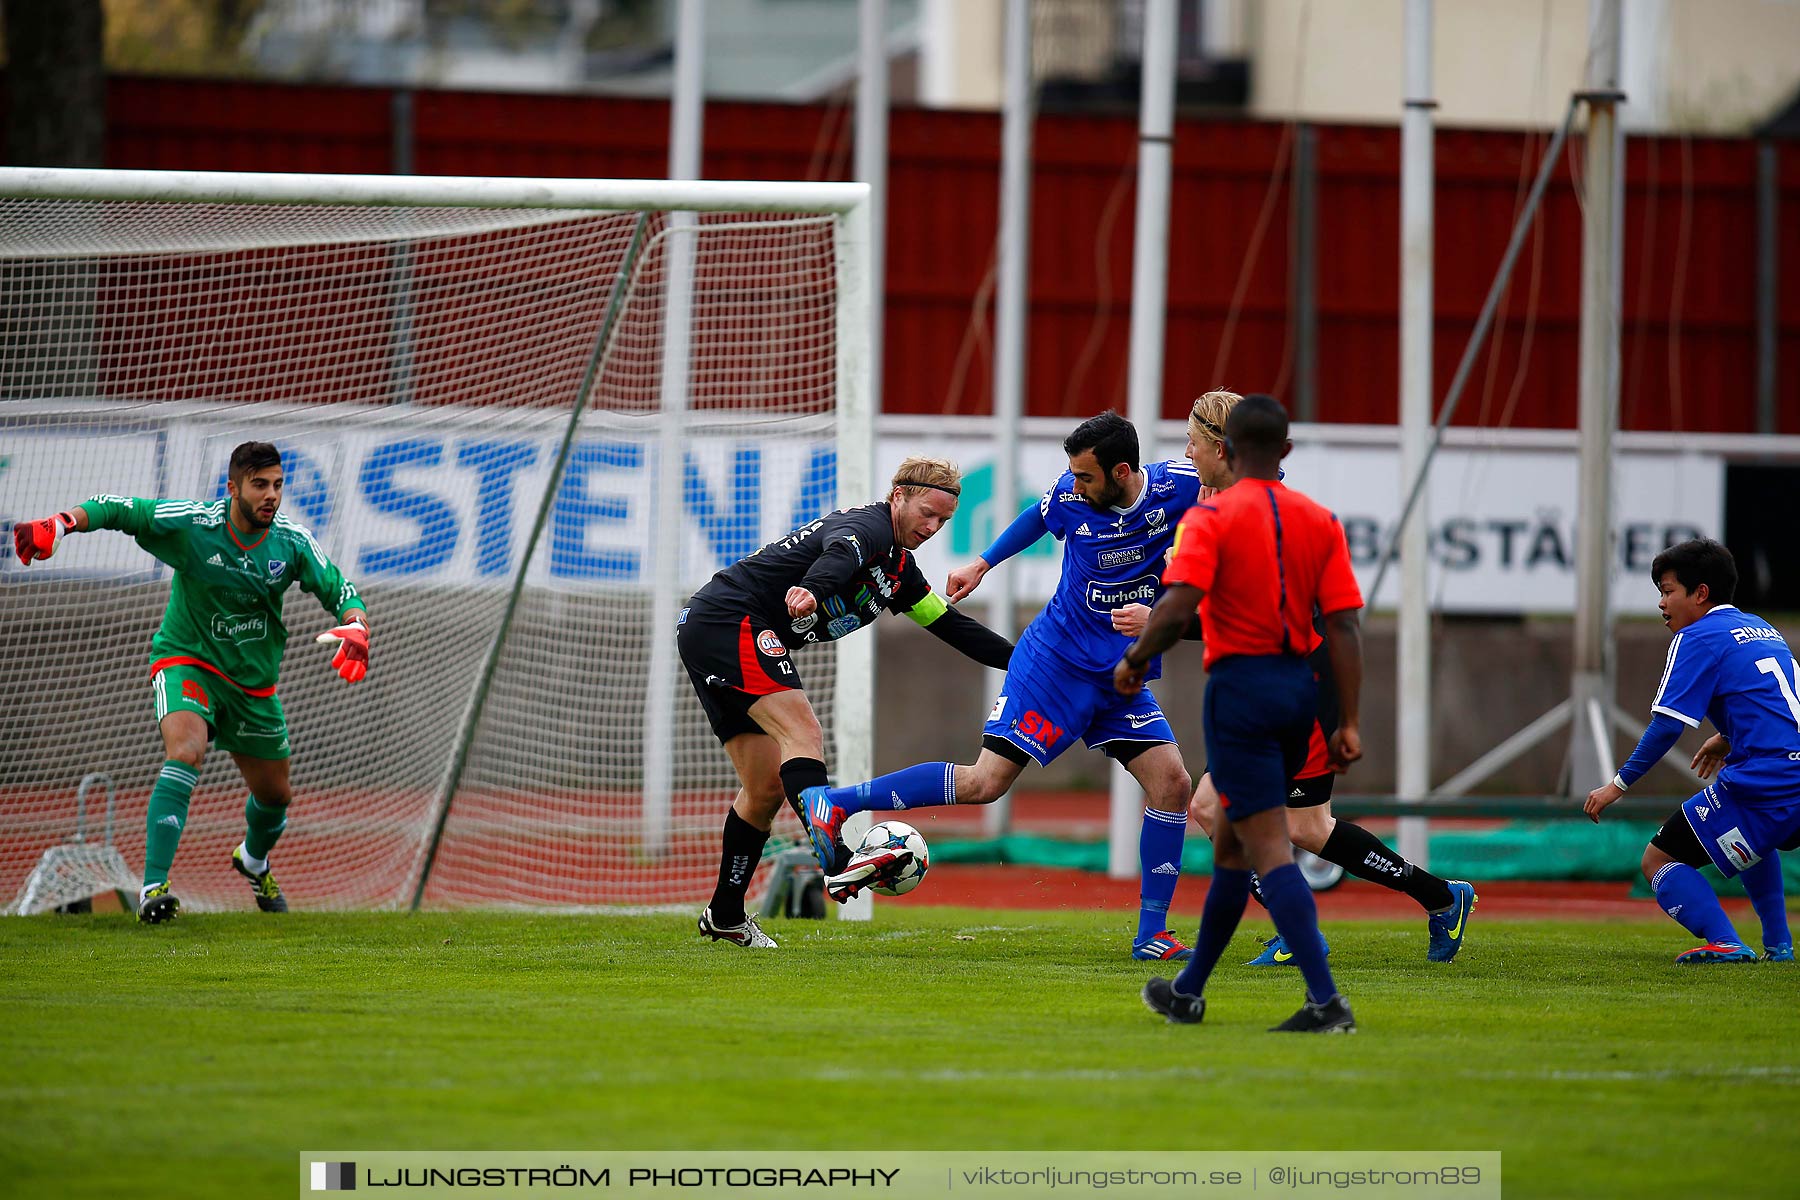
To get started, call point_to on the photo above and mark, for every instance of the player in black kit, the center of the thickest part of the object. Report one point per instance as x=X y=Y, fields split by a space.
x=824 y=580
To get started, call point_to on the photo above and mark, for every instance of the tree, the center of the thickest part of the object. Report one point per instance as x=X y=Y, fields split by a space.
x=56 y=113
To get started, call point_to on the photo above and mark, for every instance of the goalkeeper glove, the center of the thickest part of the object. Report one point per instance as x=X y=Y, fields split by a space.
x=352 y=642
x=37 y=539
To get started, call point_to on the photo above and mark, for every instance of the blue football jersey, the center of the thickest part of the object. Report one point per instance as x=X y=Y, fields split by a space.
x=1111 y=557
x=1734 y=669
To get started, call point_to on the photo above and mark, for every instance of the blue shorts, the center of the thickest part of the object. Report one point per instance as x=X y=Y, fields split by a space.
x=1736 y=828
x=1045 y=705
x=1260 y=711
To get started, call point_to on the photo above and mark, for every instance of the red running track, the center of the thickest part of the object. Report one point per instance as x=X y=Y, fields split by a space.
x=1046 y=888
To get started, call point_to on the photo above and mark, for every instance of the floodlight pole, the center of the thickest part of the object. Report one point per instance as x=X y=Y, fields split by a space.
x=1149 y=293
x=1591 y=689
x=1011 y=304
x=1418 y=174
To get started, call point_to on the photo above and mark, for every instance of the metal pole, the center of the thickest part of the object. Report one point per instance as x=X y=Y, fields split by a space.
x=1768 y=284
x=465 y=736
x=400 y=386
x=1011 y=303
x=1303 y=279
x=1149 y=289
x=859 y=400
x=1478 y=337
x=1418 y=174
x=1601 y=260
x=686 y=115
x=872 y=169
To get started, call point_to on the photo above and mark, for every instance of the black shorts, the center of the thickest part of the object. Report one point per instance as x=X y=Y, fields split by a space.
x=1310 y=792
x=733 y=660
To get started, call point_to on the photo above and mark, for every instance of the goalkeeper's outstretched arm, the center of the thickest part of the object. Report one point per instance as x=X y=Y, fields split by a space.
x=37 y=539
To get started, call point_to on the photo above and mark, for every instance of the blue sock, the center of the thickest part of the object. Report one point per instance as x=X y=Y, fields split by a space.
x=1763 y=882
x=927 y=785
x=1296 y=917
x=1685 y=895
x=1159 y=857
x=1225 y=900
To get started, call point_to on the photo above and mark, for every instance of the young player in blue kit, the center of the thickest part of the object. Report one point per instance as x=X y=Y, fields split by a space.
x=1116 y=521
x=1733 y=669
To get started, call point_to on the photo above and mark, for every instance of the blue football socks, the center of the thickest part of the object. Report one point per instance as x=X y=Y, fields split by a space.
x=1685 y=895
x=1159 y=857
x=927 y=785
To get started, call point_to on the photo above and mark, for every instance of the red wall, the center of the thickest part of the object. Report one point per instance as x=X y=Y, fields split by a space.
x=1690 y=252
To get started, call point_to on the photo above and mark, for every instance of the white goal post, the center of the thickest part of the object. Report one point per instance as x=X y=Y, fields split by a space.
x=526 y=416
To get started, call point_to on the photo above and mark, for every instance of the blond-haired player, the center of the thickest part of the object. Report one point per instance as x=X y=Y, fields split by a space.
x=823 y=581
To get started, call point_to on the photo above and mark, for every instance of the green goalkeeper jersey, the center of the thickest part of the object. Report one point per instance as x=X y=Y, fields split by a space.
x=225 y=605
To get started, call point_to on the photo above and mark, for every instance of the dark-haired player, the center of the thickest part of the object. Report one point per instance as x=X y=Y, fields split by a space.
x=1258 y=559
x=821 y=582
x=214 y=661
x=1733 y=669
x=1116 y=520
x=1311 y=825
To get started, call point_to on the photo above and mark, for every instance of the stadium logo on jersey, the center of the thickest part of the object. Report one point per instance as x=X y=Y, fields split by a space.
x=1104 y=597
x=1069 y=497
x=769 y=643
x=276 y=567
x=1121 y=558
x=238 y=628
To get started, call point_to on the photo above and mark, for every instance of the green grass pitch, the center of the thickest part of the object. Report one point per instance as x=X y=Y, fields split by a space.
x=198 y=1058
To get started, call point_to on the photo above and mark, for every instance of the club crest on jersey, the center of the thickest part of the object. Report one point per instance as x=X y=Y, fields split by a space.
x=276 y=567
x=769 y=642
x=1157 y=519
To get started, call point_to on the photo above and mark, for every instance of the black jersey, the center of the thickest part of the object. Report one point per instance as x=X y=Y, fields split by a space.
x=848 y=560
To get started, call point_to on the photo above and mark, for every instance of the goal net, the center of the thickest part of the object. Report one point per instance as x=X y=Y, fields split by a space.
x=526 y=417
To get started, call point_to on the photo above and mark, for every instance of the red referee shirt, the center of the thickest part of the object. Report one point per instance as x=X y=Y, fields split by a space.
x=1264 y=556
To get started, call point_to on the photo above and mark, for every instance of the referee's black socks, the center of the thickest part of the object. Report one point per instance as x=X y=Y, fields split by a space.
x=1366 y=856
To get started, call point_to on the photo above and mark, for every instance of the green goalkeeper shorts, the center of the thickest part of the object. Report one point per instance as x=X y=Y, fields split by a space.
x=239 y=723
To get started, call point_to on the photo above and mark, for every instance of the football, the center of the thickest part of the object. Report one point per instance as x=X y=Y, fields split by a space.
x=897 y=835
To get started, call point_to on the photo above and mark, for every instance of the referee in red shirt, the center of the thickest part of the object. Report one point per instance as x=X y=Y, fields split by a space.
x=1254 y=560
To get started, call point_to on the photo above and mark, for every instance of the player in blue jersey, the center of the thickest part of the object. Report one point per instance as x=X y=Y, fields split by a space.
x=1733 y=669
x=1116 y=520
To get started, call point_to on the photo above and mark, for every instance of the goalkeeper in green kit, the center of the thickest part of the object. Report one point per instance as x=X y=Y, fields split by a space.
x=214 y=661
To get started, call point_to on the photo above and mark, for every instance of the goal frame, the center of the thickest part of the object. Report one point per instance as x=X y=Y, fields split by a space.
x=847 y=203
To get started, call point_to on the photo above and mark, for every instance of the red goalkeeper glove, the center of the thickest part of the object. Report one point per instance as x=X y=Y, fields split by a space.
x=37 y=539
x=352 y=642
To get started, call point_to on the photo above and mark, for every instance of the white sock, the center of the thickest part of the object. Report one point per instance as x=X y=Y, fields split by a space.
x=145 y=890
x=256 y=866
